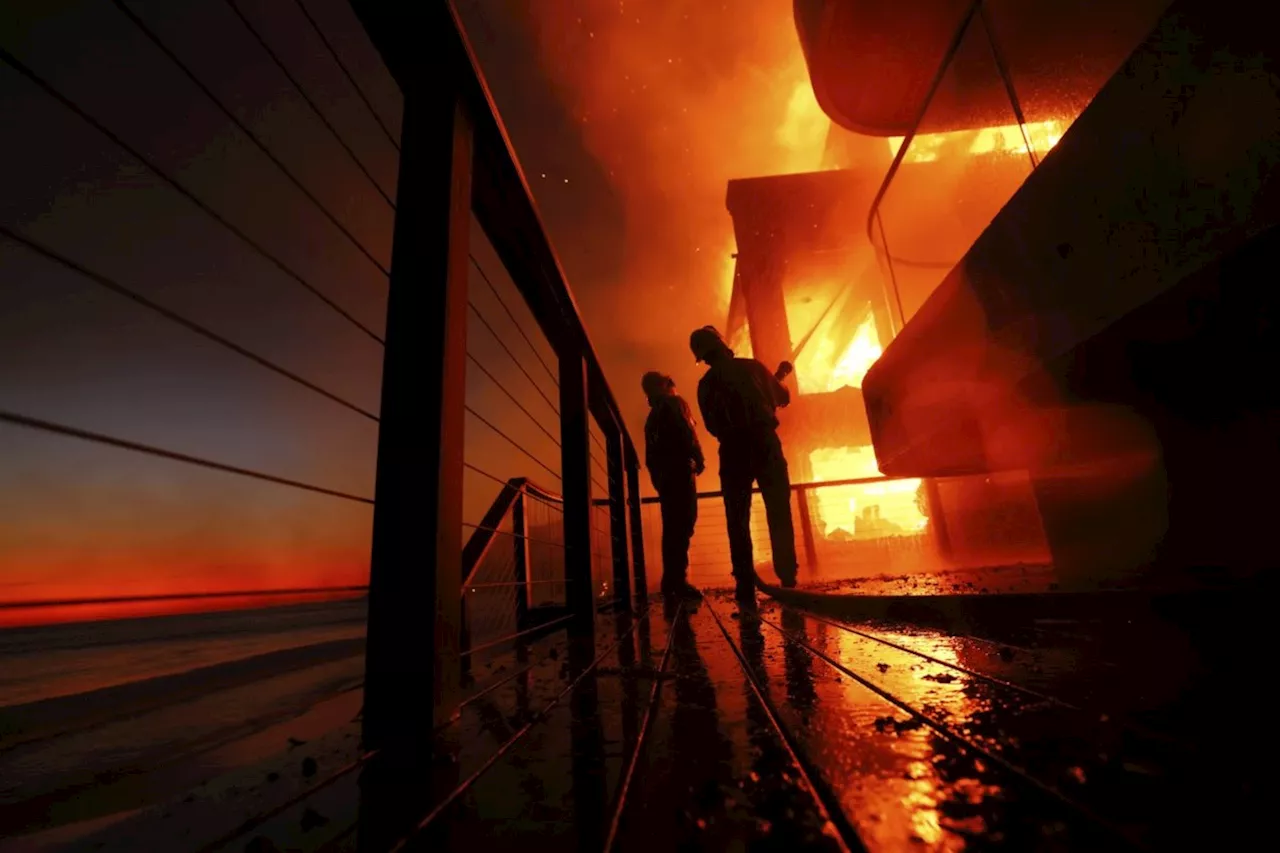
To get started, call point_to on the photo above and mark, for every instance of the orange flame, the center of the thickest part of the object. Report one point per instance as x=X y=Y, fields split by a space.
x=1008 y=139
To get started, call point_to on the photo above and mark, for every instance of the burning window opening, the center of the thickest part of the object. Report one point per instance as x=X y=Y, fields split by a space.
x=927 y=147
x=874 y=510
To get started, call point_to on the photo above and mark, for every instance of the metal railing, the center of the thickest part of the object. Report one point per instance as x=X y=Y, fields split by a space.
x=876 y=527
x=456 y=160
x=363 y=340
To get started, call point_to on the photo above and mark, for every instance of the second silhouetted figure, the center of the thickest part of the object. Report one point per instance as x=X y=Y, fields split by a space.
x=738 y=398
x=674 y=459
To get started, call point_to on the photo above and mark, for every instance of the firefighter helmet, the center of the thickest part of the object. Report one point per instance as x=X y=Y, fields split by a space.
x=705 y=341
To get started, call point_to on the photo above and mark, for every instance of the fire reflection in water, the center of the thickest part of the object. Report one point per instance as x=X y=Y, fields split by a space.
x=942 y=796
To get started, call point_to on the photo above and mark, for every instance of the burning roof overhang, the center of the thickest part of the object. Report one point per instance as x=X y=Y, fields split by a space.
x=804 y=212
x=872 y=62
x=1134 y=200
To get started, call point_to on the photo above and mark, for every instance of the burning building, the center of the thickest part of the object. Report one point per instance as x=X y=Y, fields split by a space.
x=1081 y=314
x=809 y=287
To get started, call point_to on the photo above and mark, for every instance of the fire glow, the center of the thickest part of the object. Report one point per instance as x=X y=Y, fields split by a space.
x=857 y=511
x=1003 y=139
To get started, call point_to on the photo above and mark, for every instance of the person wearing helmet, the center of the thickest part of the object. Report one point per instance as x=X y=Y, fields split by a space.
x=738 y=398
x=674 y=459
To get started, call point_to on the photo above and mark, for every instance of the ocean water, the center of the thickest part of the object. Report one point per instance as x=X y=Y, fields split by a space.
x=45 y=661
x=101 y=718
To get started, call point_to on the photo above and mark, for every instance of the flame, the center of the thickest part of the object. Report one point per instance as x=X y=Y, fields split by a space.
x=927 y=147
x=819 y=368
x=881 y=509
x=804 y=129
x=727 y=273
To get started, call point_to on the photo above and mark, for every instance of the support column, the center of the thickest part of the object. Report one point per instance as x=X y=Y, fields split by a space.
x=806 y=530
x=575 y=471
x=641 y=588
x=520 y=542
x=618 y=517
x=412 y=661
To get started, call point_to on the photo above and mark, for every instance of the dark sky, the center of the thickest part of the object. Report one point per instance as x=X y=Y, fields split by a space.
x=628 y=171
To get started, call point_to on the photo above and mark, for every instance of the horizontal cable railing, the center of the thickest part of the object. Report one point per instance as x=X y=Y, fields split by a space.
x=254 y=331
x=847 y=531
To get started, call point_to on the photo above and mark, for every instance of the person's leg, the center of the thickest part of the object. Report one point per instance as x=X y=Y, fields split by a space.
x=674 y=542
x=735 y=483
x=691 y=524
x=775 y=488
x=683 y=515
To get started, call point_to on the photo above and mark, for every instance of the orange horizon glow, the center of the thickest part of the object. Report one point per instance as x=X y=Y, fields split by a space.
x=37 y=613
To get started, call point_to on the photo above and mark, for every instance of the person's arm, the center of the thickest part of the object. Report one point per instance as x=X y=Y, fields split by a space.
x=650 y=447
x=692 y=448
x=706 y=408
x=777 y=391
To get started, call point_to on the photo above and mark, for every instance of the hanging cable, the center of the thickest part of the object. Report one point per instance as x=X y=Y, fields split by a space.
x=174 y=317
x=517 y=445
x=19 y=66
x=293 y=81
x=350 y=77
x=483 y=275
x=515 y=360
x=124 y=444
x=513 y=399
x=253 y=137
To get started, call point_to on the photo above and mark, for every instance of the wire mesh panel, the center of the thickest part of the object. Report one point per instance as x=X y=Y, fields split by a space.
x=544 y=520
x=491 y=596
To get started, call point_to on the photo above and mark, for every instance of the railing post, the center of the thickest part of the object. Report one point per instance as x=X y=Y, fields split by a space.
x=806 y=526
x=632 y=464
x=937 y=517
x=575 y=473
x=618 y=515
x=520 y=542
x=412 y=660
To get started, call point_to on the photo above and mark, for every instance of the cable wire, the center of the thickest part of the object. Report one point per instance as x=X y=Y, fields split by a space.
x=513 y=536
x=512 y=398
x=239 y=13
x=21 y=67
x=486 y=474
x=350 y=77
x=483 y=275
x=510 y=440
x=174 y=317
x=100 y=438
x=508 y=351
x=253 y=137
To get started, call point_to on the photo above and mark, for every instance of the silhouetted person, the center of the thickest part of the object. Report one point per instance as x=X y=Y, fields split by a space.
x=738 y=398
x=674 y=459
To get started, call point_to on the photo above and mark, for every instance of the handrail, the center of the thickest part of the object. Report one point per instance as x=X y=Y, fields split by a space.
x=502 y=200
x=795 y=487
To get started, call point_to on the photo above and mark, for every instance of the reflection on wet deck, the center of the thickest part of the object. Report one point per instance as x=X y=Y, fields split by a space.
x=711 y=727
x=781 y=729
